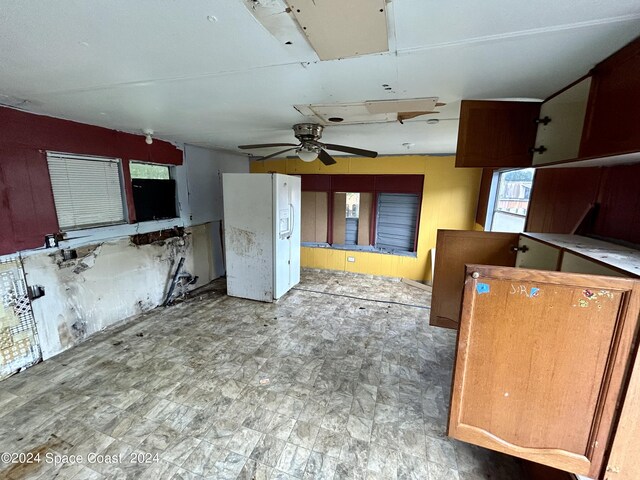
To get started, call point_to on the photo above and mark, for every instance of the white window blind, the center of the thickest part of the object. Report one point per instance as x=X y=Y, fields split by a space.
x=87 y=190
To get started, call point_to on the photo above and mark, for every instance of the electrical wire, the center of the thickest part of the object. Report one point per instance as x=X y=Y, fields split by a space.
x=363 y=299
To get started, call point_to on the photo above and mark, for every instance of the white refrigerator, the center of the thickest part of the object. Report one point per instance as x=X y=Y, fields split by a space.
x=261 y=234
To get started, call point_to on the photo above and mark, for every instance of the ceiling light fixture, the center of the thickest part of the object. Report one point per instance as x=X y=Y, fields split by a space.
x=148 y=136
x=307 y=154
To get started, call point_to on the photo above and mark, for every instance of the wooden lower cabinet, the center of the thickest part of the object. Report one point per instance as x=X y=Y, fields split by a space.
x=542 y=364
x=454 y=249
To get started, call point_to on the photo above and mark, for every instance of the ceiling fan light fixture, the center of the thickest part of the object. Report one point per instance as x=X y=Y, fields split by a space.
x=307 y=154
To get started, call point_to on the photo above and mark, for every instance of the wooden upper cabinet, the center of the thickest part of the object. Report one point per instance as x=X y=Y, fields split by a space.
x=613 y=115
x=454 y=249
x=594 y=118
x=496 y=134
x=541 y=363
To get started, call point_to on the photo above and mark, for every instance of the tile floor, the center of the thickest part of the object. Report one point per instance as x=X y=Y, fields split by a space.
x=317 y=386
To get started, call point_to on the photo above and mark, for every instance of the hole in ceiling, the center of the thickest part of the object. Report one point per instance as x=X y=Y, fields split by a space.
x=385 y=84
x=298 y=10
x=382 y=10
x=336 y=119
x=288 y=43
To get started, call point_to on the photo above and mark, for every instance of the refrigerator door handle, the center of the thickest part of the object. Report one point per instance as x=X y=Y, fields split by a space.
x=292 y=219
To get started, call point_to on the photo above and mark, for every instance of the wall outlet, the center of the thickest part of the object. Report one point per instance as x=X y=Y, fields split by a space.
x=351 y=259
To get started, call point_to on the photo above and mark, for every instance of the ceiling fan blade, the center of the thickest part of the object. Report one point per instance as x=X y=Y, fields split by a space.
x=355 y=151
x=326 y=158
x=266 y=145
x=277 y=153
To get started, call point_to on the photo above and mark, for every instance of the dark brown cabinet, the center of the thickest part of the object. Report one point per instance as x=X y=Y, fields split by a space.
x=594 y=118
x=496 y=134
x=613 y=114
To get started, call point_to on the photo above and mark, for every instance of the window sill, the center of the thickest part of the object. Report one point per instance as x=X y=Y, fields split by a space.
x=360 y=248
x=81 y=237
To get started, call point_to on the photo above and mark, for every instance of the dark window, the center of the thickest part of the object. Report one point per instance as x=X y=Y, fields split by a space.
x=154 y=191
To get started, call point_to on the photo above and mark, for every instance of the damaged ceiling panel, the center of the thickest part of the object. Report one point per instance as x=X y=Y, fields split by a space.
x=343 y=113
x=338 y=29
x=220 y=74
x=371 y=111
x=408 y=105
x=274 y=16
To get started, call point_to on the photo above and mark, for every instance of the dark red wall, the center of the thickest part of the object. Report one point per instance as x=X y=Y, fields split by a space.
x=362 y=183
x=560 y=197
x=27 y=210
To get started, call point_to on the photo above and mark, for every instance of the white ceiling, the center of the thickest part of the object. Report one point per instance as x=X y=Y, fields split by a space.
x=162 y=65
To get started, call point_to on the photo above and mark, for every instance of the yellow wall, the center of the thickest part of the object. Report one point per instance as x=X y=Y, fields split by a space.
x=449 y=200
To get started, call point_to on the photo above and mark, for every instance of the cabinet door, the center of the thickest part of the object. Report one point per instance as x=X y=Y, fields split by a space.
x=537 y=255
x=454 y=249
x=540 y=363
x=561 y=136
x=613 y=115
x=623 y=461
x=496 y=134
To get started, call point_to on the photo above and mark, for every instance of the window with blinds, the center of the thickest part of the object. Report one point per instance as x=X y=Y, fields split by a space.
x=87 y=191
x=397 y=221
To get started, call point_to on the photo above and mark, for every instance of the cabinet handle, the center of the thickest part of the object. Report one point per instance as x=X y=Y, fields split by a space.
x=541 y=149
x=522 y=249
x=544 y=120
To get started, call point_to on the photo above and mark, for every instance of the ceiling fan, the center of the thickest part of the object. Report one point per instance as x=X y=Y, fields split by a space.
x=310 y=147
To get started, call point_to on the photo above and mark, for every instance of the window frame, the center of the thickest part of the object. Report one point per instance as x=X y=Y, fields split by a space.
x=417 y=219
x=121 y=178
x=172 y=176
x=492 y=201
x=364 y=183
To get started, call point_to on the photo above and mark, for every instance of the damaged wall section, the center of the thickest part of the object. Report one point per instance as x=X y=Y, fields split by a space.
x=91 y=278
x=107 y=283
